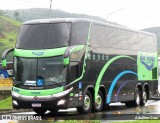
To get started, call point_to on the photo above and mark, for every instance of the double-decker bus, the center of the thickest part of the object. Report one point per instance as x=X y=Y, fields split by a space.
x=83 y=64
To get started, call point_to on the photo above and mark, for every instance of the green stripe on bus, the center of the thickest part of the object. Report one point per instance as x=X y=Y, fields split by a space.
x=104 y=70
x=44 y=92
x=40 y=53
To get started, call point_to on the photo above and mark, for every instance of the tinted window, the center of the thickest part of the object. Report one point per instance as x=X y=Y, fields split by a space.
x=103 y=36
x=98 y=35
x=121 y=39
x=79 y=34
x=132 y=42
x=44 y=36
x=28 y=71
x=142 y=38
x=151 y=43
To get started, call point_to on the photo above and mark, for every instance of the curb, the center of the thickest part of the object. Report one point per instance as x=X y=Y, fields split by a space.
x=6 y=111
x=155 y=98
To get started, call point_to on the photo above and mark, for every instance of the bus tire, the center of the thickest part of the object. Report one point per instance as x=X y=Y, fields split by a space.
x=87 y=104
x=129 y=104
x=54 y=111
x=137 y=97
x=98 y=104
x=106 y=107
x=40 y=111
x=143 y=97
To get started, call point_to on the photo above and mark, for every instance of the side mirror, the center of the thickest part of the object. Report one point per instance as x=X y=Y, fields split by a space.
x=71 y=54
x=4 y=55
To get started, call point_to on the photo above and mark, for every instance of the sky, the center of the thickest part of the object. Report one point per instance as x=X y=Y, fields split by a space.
x=135 y=14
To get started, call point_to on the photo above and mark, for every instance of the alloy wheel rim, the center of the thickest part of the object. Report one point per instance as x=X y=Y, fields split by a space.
x=98 y=101
x=87 y=102
x=137 y=99
x=144 y=96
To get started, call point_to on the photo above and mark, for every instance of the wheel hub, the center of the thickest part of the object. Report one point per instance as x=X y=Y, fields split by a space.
x=144 y=96
x=87 y=102
x=98 y=101
x=137 y=99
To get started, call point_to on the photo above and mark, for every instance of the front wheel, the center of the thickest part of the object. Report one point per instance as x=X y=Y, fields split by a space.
x=87 y=104
x=129 y=103
x=40 y=111
x=54 y=110
x=137 y=99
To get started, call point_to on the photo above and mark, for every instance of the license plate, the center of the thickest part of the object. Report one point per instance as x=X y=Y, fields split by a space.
x=36 y=104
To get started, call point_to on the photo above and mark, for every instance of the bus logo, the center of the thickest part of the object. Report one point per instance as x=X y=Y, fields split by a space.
x=147 y=61
x=38 y=53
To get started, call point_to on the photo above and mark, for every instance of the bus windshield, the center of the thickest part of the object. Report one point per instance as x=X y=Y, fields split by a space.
x=49 y=71
x=44 y=36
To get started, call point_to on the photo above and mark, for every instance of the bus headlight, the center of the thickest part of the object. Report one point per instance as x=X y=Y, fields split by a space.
x=15 y=103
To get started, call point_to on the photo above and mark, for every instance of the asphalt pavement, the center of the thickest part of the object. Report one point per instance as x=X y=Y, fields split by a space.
x=117 y=111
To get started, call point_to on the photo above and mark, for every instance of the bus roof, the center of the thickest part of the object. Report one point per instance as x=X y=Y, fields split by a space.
x=57 y=20
x=74 y=20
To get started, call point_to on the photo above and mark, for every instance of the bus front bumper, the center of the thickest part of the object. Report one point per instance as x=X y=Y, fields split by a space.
x=22 y=101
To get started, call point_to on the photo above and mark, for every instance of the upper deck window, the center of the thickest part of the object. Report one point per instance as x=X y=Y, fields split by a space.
x=44 y=36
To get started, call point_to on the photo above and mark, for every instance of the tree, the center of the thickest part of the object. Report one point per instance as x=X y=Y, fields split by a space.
x=1 y=12
x=16 y=15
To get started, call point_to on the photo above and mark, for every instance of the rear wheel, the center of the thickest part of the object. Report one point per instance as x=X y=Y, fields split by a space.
x=106 y=107
x=98 y=103
x=87 y=104
x=137 y=99
x=143 y=97
x=129 y=104
x=40 y=111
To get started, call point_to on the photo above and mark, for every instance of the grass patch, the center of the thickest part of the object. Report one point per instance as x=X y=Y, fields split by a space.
x=12 y=21
x=76 y=121
x=10 y=36
x=8 y=42
x=6 y=103
x=140 y=121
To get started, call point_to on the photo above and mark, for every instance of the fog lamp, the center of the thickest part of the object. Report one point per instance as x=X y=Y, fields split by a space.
x=15 y=103
x=61 y=102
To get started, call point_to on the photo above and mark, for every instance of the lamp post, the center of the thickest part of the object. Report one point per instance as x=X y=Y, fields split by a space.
x=113 y=13
x=50 y=7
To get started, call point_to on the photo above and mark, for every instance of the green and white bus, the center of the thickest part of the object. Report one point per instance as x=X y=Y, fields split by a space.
x=83 y=64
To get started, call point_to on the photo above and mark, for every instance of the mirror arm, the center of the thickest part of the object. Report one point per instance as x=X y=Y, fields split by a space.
x=3 y=57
